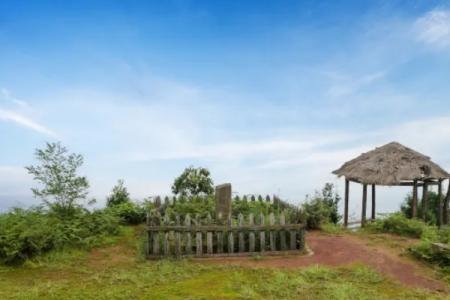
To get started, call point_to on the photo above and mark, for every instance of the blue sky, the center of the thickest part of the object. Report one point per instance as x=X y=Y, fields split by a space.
x=269 y=95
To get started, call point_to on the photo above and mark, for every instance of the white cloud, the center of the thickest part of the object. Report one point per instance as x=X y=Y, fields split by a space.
x=21 y=120
x=434 y=28
x=6 y=95
x=345 y=85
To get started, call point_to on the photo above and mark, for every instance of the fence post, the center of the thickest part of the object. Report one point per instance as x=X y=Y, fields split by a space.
x=251 y=235
x=241 y=234
x=282 y=232
x=177 y=237
x=292 y=237
x=272 y=234
x=166 y=245
x=198 y=238
x=149 y=235
x=187 y=223
x=262 y=234
x=219 y=235
x=230 y=236
x=209 y=237
x=156 y=235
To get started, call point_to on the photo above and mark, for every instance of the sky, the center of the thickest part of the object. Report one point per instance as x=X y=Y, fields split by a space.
x=271 y=96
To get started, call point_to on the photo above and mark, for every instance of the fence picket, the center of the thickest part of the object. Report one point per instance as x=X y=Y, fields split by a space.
x=198 y=239
x=272 y=234
x=209 y=237
x=251 y=235
x=282 y=232
x=230 y=237
x=177 y=238
x=166 y=245
x=262 y=235
x=188 y=247
x=241 y=234
x=156 y=236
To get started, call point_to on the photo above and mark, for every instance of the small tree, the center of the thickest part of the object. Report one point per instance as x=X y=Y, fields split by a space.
x=331 y=199
x=119 y=194
x=57 y=173
x=193 y=182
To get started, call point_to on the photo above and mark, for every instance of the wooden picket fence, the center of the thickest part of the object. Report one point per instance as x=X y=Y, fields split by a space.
x=208 y=237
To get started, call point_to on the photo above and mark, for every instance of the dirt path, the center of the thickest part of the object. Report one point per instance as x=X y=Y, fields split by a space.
x=343 y=250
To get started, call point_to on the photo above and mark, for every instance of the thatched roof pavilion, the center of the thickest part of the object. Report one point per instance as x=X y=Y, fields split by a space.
x=391 y=165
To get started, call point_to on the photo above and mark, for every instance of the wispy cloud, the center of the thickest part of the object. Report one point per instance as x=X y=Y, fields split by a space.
x=21 y=120
x=434 y=28
x=345 y=85
x=5 y=94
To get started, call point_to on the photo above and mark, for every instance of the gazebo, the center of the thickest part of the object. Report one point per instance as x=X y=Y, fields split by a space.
x=394 y=165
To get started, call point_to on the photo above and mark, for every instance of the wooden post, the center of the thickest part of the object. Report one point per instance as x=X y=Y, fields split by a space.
x=209 y=237
x=198 y=239
x=439 y=211
x=414 y=200
x=373 y=201
x=177 y=238
x=230 y=237
x=282 y=232
x=187 y=223
x=241 y=234
x=364 y=205
x=149 y=236
x=424 y=200
x=446 y=206
x=166 y=245
x=251 y=235
x=262 y=235
x=219 y=235
x=347 y=191
x=272 y=236
x=156 y=236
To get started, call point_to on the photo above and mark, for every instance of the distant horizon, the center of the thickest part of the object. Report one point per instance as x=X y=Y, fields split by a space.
x=269 y=96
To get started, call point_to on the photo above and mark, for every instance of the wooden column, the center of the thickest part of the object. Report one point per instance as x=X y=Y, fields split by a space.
x=414 y=200
x=446 y=204
x=347 y=191
x=364 y=205
x=424 y=200
x=373 y=201
x=439 y=211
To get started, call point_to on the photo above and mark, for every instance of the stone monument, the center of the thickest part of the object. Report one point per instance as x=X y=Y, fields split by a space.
x=223 y=200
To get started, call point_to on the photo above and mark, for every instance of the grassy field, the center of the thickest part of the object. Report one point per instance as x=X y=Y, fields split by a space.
x=118 y=272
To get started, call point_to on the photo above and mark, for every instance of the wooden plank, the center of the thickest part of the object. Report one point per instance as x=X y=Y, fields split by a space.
x=209 y=237
x=251 y=235
x=283 y=232
x=155 y=243
x=166 y=244
x=198 y=239
x=219 y=235
x=272 y=234
x=230 y=237
x=292 y=240
x=414 y=200
x=262 y=234
x=241 y=234
x=177 y=238
x=188 y=237
x=205 y=228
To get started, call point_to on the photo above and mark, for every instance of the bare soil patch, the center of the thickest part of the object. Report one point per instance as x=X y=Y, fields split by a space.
x=341 y=250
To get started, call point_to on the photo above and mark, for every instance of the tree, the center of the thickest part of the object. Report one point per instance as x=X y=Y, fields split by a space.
x=119 y=194
x=331 y=199
x=57 y=173
x=193 y=182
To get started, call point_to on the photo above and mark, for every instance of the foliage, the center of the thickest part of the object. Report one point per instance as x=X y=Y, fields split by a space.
x=27 y=233
x=119 y=194
x=193 y=182
x=129 y=213
x=322 y=208
x=397 y=223
x=426 y=251
x=195 y=205
x=57 y=173
x=431 y=213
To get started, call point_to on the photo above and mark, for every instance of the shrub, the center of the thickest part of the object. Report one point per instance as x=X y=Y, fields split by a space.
x=431 y=213
x=397 y=223
x=27 y=233
x=129 y=213
x=119 y=194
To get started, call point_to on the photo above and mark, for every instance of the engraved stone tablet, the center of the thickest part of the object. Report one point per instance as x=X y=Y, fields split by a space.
x=223 y=200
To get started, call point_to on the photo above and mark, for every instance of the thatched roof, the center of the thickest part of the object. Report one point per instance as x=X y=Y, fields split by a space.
x=391 y=164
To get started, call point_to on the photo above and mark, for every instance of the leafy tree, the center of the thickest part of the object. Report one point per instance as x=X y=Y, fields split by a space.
x=57 y=173
x=119 y=194
x=331 y=199
x=193 y=182
x=431 y=213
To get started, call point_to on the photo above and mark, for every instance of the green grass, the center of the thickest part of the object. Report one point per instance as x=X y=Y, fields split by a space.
x=117 y=272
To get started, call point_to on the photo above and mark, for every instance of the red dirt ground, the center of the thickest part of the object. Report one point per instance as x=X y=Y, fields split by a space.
x=330 y=250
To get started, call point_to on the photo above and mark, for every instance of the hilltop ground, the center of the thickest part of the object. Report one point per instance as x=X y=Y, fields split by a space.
x=343 y=266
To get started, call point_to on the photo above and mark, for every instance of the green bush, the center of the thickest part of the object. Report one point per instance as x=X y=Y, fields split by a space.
x=431 y=213
x=129 y=213
x=397 y=223
x=27 y=233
